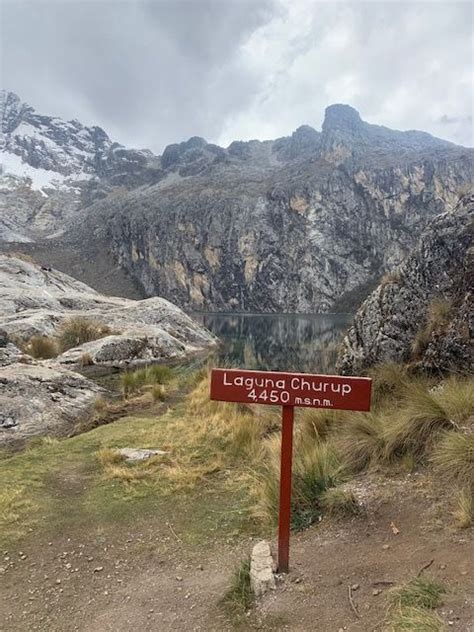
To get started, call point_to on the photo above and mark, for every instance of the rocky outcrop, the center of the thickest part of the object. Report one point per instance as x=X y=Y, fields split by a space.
x=37 y=400
x=422 y=312
x=37 y=301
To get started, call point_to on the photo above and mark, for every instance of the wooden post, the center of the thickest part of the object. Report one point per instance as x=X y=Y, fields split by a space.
x=284 y=517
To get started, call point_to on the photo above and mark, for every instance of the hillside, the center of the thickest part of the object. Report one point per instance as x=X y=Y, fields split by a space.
x=293 y=224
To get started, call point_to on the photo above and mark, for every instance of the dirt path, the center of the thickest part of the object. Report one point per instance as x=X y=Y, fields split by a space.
x=145 y=577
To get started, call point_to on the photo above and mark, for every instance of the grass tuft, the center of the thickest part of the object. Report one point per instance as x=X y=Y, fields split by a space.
x=412 y=619
x=389 y=382
x=239 y=598
x=339 y=503
x=420 y=421
x=108 y=457
x=42 y=347
x=438 y=316
x=77 y=330
x=453 y=456
x=464 y=512
x=133 y=381
x=420 y=592
x=360 y=442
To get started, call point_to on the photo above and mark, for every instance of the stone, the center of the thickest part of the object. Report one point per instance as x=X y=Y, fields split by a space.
x=262 y=578
x=27 y=410
x=139 y=454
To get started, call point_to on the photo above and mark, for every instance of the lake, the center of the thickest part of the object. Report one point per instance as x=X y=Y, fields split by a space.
x=279 y=342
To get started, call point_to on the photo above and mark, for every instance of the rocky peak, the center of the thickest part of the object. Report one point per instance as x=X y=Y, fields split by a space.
x=341 y=117
x=12 y=111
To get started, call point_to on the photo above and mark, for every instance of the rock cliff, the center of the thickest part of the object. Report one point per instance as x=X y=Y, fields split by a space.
x=422 y=313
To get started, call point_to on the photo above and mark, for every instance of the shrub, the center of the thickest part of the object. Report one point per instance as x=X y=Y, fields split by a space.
x=78 y=330
x=453 y=456
x=315 y=424
x=109 y=457
x=42 y=347
x=86 y=360
x=339 y=503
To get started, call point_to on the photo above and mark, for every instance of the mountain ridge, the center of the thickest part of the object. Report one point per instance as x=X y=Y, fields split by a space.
x=292 y=224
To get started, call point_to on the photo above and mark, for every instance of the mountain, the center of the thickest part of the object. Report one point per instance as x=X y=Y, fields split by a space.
x=295 y=224
x=422 y=312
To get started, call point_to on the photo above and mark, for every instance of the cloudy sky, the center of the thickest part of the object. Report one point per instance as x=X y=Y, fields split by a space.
x=159 y=71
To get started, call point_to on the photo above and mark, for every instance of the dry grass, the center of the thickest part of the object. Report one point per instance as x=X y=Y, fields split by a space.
x=108 y=457
x=158 y=393
x=315 y=469
x=78 y=330
x=389 y=382
x=86 y=360
x=417 y=425
x=438 y=316
x=360 y=442
x=391 y=277
x=464 y=511
x=315 y=424
x=453 y=457
x=14 y=504
x=42 y=347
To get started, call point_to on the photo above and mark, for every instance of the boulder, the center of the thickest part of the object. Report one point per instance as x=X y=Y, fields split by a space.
x=36 y=400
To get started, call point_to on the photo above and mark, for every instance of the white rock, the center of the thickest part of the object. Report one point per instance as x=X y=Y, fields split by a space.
x=261 y=569
x=139 y=454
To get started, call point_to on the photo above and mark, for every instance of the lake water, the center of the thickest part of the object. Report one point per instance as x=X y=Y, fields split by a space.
x=279 y=342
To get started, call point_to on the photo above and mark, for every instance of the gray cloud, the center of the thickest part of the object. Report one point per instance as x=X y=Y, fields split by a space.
x=156 y=72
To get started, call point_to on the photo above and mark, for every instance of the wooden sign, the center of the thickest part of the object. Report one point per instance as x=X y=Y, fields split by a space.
x=291 y=389
x=288 y=390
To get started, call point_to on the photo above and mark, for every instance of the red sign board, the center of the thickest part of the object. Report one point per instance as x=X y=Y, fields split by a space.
x=291 y=389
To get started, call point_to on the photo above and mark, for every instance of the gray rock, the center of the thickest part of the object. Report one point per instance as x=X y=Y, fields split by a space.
x=262 y=578
x=438 y=268
x=139 y=454
x=36 y=400
x=34 y=301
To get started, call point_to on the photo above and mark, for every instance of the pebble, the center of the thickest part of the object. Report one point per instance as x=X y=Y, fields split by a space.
x=179 y=579
x=376 y=591
x=355 y=586
x=97 y=569
x=386 y=546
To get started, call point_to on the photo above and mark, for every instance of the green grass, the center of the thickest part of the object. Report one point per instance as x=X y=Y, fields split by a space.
x=412 y=606
x=416 y=620
x=420 y=592
x=133 y=381
x=239 y=598
x=339 y=503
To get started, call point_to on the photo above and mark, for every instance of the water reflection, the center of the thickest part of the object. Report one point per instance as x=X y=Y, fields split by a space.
x=293 y=342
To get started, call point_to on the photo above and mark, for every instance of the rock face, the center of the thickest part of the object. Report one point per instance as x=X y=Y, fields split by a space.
x=37 y=400
x=288 y=225
x=423 y=311
x=293 y=224
x=36 y=301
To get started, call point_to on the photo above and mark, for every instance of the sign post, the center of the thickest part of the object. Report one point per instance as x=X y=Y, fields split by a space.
x=289 y=390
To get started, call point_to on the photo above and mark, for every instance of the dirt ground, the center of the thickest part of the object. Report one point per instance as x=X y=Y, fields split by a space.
x=144 y=576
